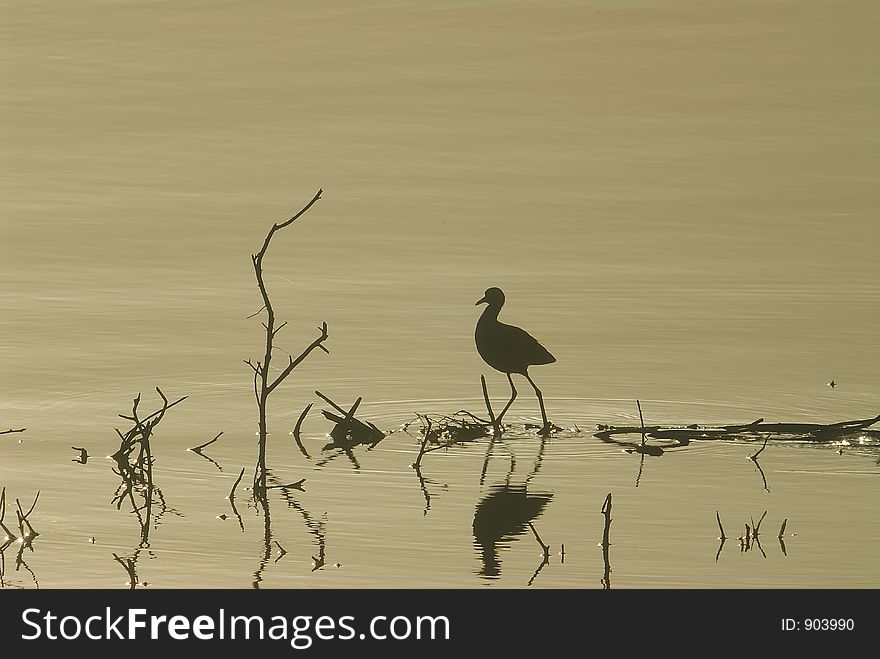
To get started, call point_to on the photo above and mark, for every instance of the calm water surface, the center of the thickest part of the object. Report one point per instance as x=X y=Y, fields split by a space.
x=679 y=200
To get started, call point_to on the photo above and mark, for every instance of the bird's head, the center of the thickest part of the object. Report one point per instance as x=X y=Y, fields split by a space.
x=494 y=297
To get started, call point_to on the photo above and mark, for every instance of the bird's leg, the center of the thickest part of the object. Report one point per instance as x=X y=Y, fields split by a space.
x=546 y=429
x=512 y=398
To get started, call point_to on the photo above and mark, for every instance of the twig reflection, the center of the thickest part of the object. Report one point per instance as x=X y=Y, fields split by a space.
x=315 y=527
x=198 y=451
x=751 y=536
x=545 y=556
x=26 y=536
x=425 y=492
x=606 y=542
x=296 y=431
x=231 y=498
x=754 y=459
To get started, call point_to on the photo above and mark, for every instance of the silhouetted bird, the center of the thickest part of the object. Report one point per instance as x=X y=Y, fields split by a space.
x=509 y=349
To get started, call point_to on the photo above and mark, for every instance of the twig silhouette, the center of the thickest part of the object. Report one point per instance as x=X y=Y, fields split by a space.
x=425 y=492
x=545 y=558
x=642 y=445
x=134 y=465
x=754 y=456
x=779 y=537
x=606 y=542
x=418 y=461
x=544 y=548
x=754 y=459
x=264 y=385
x=720 y=528
x=296 y=485
x=128 y=565
x=9 y=535
x=296 y=431
x=198 y=449
x=722 y=538
x=231 y=495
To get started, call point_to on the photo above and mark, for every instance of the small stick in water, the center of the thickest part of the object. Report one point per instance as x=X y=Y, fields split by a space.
x=231 y=496
x=198 y=449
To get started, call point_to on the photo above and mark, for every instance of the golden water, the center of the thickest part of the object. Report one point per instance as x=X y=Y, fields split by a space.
x=679 y=199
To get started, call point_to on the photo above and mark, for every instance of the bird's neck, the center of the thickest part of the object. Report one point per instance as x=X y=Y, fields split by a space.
x=491 y=312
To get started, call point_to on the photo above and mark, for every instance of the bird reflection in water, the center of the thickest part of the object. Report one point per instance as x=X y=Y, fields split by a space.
x=504 y=513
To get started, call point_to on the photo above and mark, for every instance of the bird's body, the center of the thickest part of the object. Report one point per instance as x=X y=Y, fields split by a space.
x=508 y=348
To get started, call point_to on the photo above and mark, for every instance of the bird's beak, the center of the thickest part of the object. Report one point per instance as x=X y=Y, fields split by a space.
x=481 y=301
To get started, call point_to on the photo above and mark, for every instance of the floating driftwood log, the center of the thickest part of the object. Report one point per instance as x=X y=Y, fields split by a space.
x=814 y=432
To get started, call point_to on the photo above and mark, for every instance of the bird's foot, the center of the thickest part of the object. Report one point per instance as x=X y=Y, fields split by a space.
x=549 y=429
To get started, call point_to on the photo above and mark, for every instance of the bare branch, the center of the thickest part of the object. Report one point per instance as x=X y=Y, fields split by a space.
x=296 y=362
x=156 y=413
x=278 y=227
x=262 y=385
